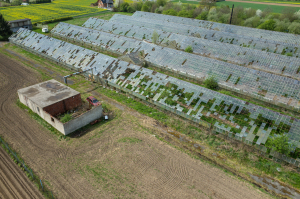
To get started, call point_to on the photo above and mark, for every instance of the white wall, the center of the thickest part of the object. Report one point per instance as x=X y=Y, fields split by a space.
x=84 y=119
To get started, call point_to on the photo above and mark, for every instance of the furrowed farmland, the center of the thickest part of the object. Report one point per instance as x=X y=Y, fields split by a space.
x=48 y=11
x=185 y=108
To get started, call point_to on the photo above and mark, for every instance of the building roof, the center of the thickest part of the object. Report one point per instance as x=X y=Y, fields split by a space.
x=107 y=1
x=47 y=93
x=19 y=20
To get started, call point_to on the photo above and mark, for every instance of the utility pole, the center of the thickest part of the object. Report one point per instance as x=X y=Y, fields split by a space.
x=231 y=13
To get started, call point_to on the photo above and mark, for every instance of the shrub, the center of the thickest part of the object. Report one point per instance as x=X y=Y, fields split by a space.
x=268 y=25
x=154 y=37
x=280 y=144
x=130 y=9
x=184 y=13
x=211 y=83
x=145 y=8
x=282 y=26
x=203 y=15
x=124 y=6
x=67 y=117
x=170 y=12
x=252 y=22
x=294 y=28
x=189 y=49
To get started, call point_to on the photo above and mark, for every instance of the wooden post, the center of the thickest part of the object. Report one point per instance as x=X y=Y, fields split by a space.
x=231 y=13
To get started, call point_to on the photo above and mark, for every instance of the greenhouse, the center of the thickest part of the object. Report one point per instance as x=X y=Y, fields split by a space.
x=237 y=118
x=265 y=86
x=252 y=58
x=214 y=35
x=239 y=30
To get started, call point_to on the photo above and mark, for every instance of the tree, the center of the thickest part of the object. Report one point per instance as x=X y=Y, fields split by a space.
x=268 y=10
x=294 y=28
x=202 y=16
x=5 y=30
x=145 y=8
x=130 y=9
x=268 y=25
x=208 y=3
x=154 y=37
x=184 y=13
x=161 y=2
x=211 y=83
x=124 y=6
x=289 y=13
x=280 y=144
x=170 y=12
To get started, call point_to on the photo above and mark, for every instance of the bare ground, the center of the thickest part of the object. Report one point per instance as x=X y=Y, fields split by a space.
x=118 y=159
x=13 y=182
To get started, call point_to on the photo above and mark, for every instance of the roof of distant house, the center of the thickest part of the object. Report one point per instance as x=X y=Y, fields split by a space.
x=107 y=1
x=47 y=93
x=19 y=20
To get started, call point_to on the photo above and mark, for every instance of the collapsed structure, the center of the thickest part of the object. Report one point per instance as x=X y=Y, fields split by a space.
x=51 y=99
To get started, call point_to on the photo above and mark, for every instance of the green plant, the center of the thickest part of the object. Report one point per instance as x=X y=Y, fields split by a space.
x=211 y=83
x=5 y=31
x=154 y=37
x=189 y=49
x=280 y=144
x=65 y=118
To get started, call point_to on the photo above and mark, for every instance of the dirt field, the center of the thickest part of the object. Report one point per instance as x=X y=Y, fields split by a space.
x=13 y=182
x=119 y=159
x=265 y=3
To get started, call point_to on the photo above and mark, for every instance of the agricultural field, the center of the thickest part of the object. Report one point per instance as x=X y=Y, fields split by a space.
x=276 y=9
x=49 y=11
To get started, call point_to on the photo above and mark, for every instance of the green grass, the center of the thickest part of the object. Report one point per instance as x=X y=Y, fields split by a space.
x=184 y=1
x=65 y=118
x=276 y=9
x=276 y=1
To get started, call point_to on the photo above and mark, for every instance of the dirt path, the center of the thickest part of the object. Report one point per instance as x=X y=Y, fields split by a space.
x=13 y=182
x=265 y=3
x=99 y=165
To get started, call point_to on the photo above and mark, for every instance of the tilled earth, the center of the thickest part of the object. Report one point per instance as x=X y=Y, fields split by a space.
x=118 y=159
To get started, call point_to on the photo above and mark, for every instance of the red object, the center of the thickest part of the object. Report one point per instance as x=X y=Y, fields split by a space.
x=93 y=101
x=96 y=121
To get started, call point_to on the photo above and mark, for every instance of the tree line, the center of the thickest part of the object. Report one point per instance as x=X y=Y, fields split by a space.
x=287 y=21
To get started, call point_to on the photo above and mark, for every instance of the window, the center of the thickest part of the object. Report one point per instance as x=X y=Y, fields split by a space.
x=52 y=119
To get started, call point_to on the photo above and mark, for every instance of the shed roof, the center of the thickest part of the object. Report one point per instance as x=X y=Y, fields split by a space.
x=47 y=93
x=19 y=20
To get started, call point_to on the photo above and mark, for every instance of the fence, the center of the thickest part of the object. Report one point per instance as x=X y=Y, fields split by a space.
x=34 y=177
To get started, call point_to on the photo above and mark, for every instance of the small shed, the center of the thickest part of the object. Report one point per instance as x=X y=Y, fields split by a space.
x=20 y=23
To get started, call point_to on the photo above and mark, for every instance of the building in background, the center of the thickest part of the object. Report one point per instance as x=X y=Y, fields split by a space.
x=20 y=23
x=105 y=3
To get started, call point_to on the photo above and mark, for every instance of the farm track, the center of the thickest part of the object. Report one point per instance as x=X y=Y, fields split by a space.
x=159 y=170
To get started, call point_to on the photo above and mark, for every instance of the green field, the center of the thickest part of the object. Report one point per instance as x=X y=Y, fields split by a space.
x=276 y=1
x=48 y=11
x=276 y=9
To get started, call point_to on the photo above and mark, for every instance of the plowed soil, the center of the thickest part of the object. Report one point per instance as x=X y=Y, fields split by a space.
x=13 y=182
x=118 y=159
